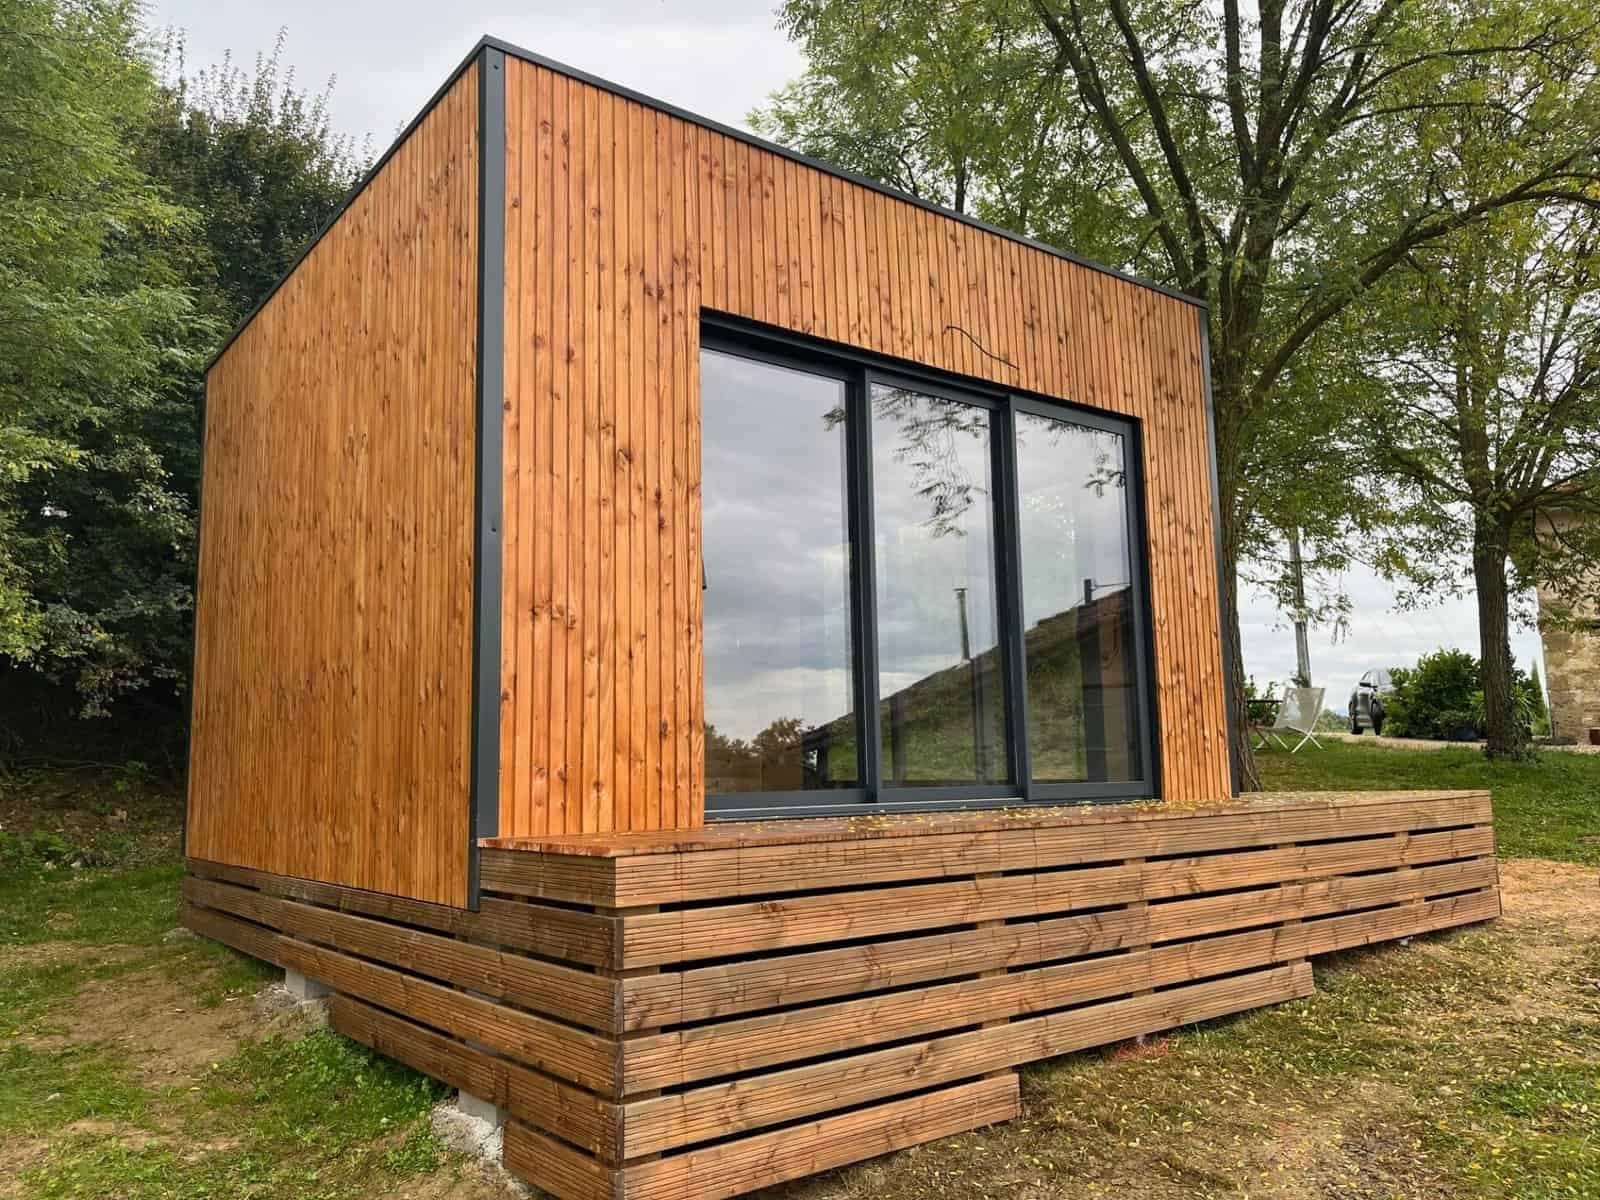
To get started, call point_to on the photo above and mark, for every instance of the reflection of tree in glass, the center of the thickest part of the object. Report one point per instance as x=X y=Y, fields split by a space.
x=1106 y=475
x=1058 y=505
x=787 y=755
x=931 y=430
x=1108 y=470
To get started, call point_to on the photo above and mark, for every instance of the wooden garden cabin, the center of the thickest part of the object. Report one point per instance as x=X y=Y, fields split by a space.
x=675 y=623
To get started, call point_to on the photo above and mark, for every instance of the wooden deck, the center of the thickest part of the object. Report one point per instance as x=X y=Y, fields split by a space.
x=701 y=1014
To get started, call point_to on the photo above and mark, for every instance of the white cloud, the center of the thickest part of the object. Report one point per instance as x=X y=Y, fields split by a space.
x=718 y=58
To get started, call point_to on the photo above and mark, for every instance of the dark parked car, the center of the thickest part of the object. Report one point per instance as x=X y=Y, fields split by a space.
x=1366 y=702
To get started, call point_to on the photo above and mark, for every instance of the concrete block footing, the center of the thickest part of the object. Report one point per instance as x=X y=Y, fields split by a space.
x=480 y=1109
x=471 y=1125
x=303 y=989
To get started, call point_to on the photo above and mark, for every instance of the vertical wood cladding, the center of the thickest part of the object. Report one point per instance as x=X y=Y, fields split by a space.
x=622 y=224
x=332 y=702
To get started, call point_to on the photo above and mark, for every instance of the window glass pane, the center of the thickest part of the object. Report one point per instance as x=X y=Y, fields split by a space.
x=780 y=714
x=1077 y=601
x=942 y=705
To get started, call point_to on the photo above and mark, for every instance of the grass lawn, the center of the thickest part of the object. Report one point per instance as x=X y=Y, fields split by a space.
x=1546 y=808
x=135 y=1062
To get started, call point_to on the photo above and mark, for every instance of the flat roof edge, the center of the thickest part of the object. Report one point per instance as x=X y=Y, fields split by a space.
x=815 y=164
x=356 y=189
x=520 y=52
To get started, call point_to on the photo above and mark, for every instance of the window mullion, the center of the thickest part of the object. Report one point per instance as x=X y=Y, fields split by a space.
x=866 y=632
x=1139 y=558
x=1012 y=629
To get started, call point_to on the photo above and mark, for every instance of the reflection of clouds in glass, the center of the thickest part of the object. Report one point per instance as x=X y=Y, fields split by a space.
x=933 y=517
x=895 y=681
x=1076 y=595
x=932 y=512
x=778 y=665
x=777 y=638
x=736 y=708
x=1071 y=480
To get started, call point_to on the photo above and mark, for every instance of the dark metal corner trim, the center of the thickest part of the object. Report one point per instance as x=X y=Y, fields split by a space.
x=488 y=473
x=1225 y=641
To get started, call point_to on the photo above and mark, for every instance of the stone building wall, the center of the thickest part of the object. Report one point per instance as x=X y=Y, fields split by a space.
x=1572 y=672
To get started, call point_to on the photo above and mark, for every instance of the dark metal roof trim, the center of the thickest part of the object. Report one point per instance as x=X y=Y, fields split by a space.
x=750 y=139
x=827 y=168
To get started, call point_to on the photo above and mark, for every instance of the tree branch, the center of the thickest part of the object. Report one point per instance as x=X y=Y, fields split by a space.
x=1092 y=90
x=1243 y=143
x=1417 y=233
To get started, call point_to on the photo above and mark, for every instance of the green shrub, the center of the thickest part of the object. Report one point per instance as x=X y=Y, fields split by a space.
x=1442 y=695
x=1254 y=691
x=25 y=854
x=1527 y=706
x=1434 y=698
x=1532 y=690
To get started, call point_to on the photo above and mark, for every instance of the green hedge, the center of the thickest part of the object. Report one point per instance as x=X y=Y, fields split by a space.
x=1441 y=699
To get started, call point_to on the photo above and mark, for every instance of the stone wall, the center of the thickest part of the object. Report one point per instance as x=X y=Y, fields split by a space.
x=1572 y=671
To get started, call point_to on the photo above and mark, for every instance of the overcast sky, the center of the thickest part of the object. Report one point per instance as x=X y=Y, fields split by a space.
x=720 y=58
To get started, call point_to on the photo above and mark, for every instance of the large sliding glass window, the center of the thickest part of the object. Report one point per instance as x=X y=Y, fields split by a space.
x=942 y=704
x=779 y=693
x=1079 y=612
x=917 y=594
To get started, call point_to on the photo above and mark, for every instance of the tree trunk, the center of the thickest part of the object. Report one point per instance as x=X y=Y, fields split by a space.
x=1503 y=733
x=1226 y=407
x=1239 y=724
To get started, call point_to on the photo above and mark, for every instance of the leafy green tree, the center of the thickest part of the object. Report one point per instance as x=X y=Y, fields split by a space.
x=95 y=322
x=1481 y=381
x=1278 y=166
x=143 y=211
x=257 y=157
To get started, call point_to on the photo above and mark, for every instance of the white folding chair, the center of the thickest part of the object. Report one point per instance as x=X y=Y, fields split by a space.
x=1298 y=714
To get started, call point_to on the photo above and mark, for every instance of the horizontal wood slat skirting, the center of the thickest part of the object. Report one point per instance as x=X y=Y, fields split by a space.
x=667 y=1047
x=770 y=857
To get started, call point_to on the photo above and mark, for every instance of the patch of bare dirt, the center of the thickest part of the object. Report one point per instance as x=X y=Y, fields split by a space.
x=156 y=1022
x=1564 y=893
x=462 y=1181
x=1374 y=1158
x=19 y=1154
x=1140 y=1049
x=95 y=1127
x=1551 y=921
x=46 y=954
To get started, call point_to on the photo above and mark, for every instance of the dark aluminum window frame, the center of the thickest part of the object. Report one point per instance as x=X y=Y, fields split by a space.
x=860 y=370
